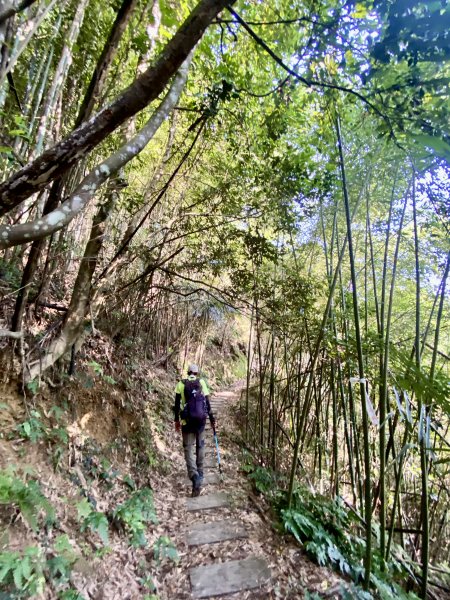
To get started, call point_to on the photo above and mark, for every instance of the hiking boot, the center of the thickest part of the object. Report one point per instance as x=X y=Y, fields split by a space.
x=196 y=485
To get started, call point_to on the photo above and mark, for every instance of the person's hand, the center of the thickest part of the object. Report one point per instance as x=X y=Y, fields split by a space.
x=177 y=426
x=214 y=424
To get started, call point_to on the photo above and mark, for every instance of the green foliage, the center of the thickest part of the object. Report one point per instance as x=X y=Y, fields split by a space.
x=33 y=386
x=64 y=557
x=98 y=370
x=27 y=496
x=10 y=273
x=33 y=428
x=129 y=481
x=23 y=572
x=436 y=389
x=326 y=529
x=98 y=467
x=70 y=595
x=263 y=479
x=135 y=513
x=353 y=592
x=322 y=526
x=165 y=548
x=96 y=367
x=148 y=583
x=94 y=520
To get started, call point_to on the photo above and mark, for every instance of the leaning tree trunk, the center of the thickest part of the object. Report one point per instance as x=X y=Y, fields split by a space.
x=79 y=304
x=59 y=159
x=84 y=192
x=76 y=313
x=93 y=91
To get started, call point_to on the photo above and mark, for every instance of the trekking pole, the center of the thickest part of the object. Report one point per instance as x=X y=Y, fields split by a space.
x=217 y=450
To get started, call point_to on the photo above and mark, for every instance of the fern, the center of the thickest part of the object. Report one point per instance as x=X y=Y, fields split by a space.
x=27 y=496
x=165 y=548
x=135 y=513
x=23 y=572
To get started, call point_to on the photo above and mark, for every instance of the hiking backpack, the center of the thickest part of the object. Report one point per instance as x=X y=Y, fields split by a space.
x=195 y=407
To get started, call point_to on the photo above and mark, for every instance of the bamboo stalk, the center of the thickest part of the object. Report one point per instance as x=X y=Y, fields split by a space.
x=361 y=374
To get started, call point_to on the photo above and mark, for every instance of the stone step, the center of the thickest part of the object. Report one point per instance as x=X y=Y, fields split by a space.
x=210 y=466
x=208 y=479
x=226 y=578
x=216 y=531
x=207 y=502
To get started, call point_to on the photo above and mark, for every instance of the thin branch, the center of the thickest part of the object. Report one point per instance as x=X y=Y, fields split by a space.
x=308 y=82
x=219 y=21
x=153 y=205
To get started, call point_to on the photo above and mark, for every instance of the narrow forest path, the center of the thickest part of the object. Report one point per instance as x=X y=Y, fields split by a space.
x=224 y=537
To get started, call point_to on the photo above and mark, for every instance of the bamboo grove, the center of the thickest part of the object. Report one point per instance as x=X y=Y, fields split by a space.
x=376 y=335
x=172 y=171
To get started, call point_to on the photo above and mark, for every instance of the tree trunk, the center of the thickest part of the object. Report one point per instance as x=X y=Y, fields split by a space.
x=110 y=48
x=86 y=189
x=60 y=75
x=57 y=160
x=79 y=304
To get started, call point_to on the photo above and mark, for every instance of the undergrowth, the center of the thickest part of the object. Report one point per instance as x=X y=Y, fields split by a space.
x=25 y=495
x=135 y=513
x=35 y=429
x=26 y=573
x=329 y=533
x=113 y=500
x=47 y=562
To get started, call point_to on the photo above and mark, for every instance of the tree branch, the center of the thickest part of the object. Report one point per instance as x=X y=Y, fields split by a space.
x=62 y=156
x=16 y=335
x=13 y=235
x=307 y=82
x=219 y=21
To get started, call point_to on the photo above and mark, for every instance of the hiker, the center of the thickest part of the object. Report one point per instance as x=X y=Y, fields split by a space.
x=192 y=407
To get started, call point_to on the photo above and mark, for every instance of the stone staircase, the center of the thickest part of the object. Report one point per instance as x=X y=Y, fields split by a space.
x=229 y=576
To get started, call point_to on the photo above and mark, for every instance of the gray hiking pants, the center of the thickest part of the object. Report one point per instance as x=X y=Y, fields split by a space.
x=194 y=452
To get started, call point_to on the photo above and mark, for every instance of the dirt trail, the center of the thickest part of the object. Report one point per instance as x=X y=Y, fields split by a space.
x=120 y=571
x=292 y=574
